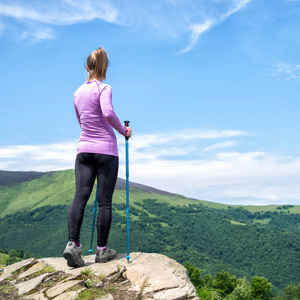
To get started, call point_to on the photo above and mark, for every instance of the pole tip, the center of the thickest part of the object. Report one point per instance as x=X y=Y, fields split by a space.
x=90 y=251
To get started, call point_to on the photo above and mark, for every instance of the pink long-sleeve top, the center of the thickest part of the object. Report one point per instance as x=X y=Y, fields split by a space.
x=96 y=116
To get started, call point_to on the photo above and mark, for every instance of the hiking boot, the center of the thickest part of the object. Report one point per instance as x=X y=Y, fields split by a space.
x=102 y=256
x=72 y=254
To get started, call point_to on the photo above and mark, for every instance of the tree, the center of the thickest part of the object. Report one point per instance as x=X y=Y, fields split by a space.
x=225 y=283
x=261 y=288
x=242 y=291
x=194 y=274
x=292 y=292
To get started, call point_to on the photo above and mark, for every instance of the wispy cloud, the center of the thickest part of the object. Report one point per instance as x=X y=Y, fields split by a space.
x=286 y=72
x=38 y=34
x=58 y=156
x=56 y=12
x=198 y=29
x=163 y=19
x=184 y=166
x=221 y=146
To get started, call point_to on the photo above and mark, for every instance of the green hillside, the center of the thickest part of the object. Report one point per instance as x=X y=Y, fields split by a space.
x=247 y=241
x=58 y=188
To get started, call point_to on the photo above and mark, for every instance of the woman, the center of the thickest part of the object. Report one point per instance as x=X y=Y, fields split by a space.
x=97 y=156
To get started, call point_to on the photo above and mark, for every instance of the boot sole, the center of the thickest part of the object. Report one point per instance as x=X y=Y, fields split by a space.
x=71 y=260
x=102 y=261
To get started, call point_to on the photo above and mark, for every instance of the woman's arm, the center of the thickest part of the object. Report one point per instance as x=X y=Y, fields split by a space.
x=108 y=110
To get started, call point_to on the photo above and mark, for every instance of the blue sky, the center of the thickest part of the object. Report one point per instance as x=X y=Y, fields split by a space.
x=211 y=88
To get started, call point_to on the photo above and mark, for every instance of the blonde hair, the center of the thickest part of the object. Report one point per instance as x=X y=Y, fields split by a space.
x=97 y=64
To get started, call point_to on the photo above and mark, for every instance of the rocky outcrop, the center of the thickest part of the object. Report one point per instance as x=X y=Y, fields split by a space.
x=145 y=276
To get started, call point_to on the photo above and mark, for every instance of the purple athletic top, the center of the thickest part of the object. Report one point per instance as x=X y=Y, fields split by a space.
x=96 y=116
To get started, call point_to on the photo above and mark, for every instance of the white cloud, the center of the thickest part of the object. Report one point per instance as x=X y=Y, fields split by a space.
x=196 y=31
x=39 y=34
x=220 y=146
x=58 y=156
x=199 y=28
x=234 y=177
x=163 y=19
x=35 y=14
x=59 y=12
x=286 y=72
x=183 y=166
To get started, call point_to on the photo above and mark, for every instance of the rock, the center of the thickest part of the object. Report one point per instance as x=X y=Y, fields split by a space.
x=172 y=294
x=37 y=296
x=119 y=272
x=29 y=285
x=62 y=287
x=14 y=267
x=156 y=272
x=69 y=295
x=100 y=284
x=107 y=269
x=152 y=275
x=35 y=268
x=106 y=297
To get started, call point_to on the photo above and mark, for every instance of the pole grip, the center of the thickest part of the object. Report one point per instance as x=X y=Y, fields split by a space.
x=126 y=125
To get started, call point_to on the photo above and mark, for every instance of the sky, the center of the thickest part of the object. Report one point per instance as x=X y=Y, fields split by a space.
x=211 y=89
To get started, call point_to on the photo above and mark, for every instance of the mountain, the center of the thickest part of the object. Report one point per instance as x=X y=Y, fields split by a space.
x=245 y=240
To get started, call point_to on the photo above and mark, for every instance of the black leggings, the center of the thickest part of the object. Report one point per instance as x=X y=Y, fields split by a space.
x=88 y=166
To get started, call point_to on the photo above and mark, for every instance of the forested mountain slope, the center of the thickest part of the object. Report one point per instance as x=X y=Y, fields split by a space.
x=245 y=241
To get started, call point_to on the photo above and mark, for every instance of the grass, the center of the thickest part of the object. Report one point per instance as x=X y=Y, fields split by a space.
x=263 y=221
x=91 y=293
x=90 y=279
x=58 y=188
x=86 y=272
x=237 y=223
x=8 y=291
x=3 y=258
x=48 y=269
x=47 y=190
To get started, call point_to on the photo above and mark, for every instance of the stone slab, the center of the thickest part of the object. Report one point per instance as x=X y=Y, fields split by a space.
x=29 y=285
x=37 y=296
x=173 y=294
x=107 y=269
x=69 y=295
x=62 y=287
x=14 y=267
x=155 y=271
x=35 y=268
x=106 y=297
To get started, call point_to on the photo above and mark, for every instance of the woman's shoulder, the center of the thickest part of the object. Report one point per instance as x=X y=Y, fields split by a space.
x=80 y=88
x=104 y=85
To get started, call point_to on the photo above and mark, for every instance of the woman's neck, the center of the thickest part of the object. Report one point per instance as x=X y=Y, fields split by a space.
x=94 y=78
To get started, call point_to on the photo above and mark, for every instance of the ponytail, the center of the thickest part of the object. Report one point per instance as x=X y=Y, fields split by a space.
x=97 y=64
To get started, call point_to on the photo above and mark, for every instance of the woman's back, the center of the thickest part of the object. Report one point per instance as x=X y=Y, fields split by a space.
x=97 y=135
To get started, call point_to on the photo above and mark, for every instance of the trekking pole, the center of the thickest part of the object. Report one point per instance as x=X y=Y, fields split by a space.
x=127 y=190
x=95 y=208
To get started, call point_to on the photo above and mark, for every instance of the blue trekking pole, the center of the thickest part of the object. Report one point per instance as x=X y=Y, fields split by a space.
x=95 y=209
x=127 y=190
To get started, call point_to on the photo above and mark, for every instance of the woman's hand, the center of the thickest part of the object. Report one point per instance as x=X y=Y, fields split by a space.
x=128 y=132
